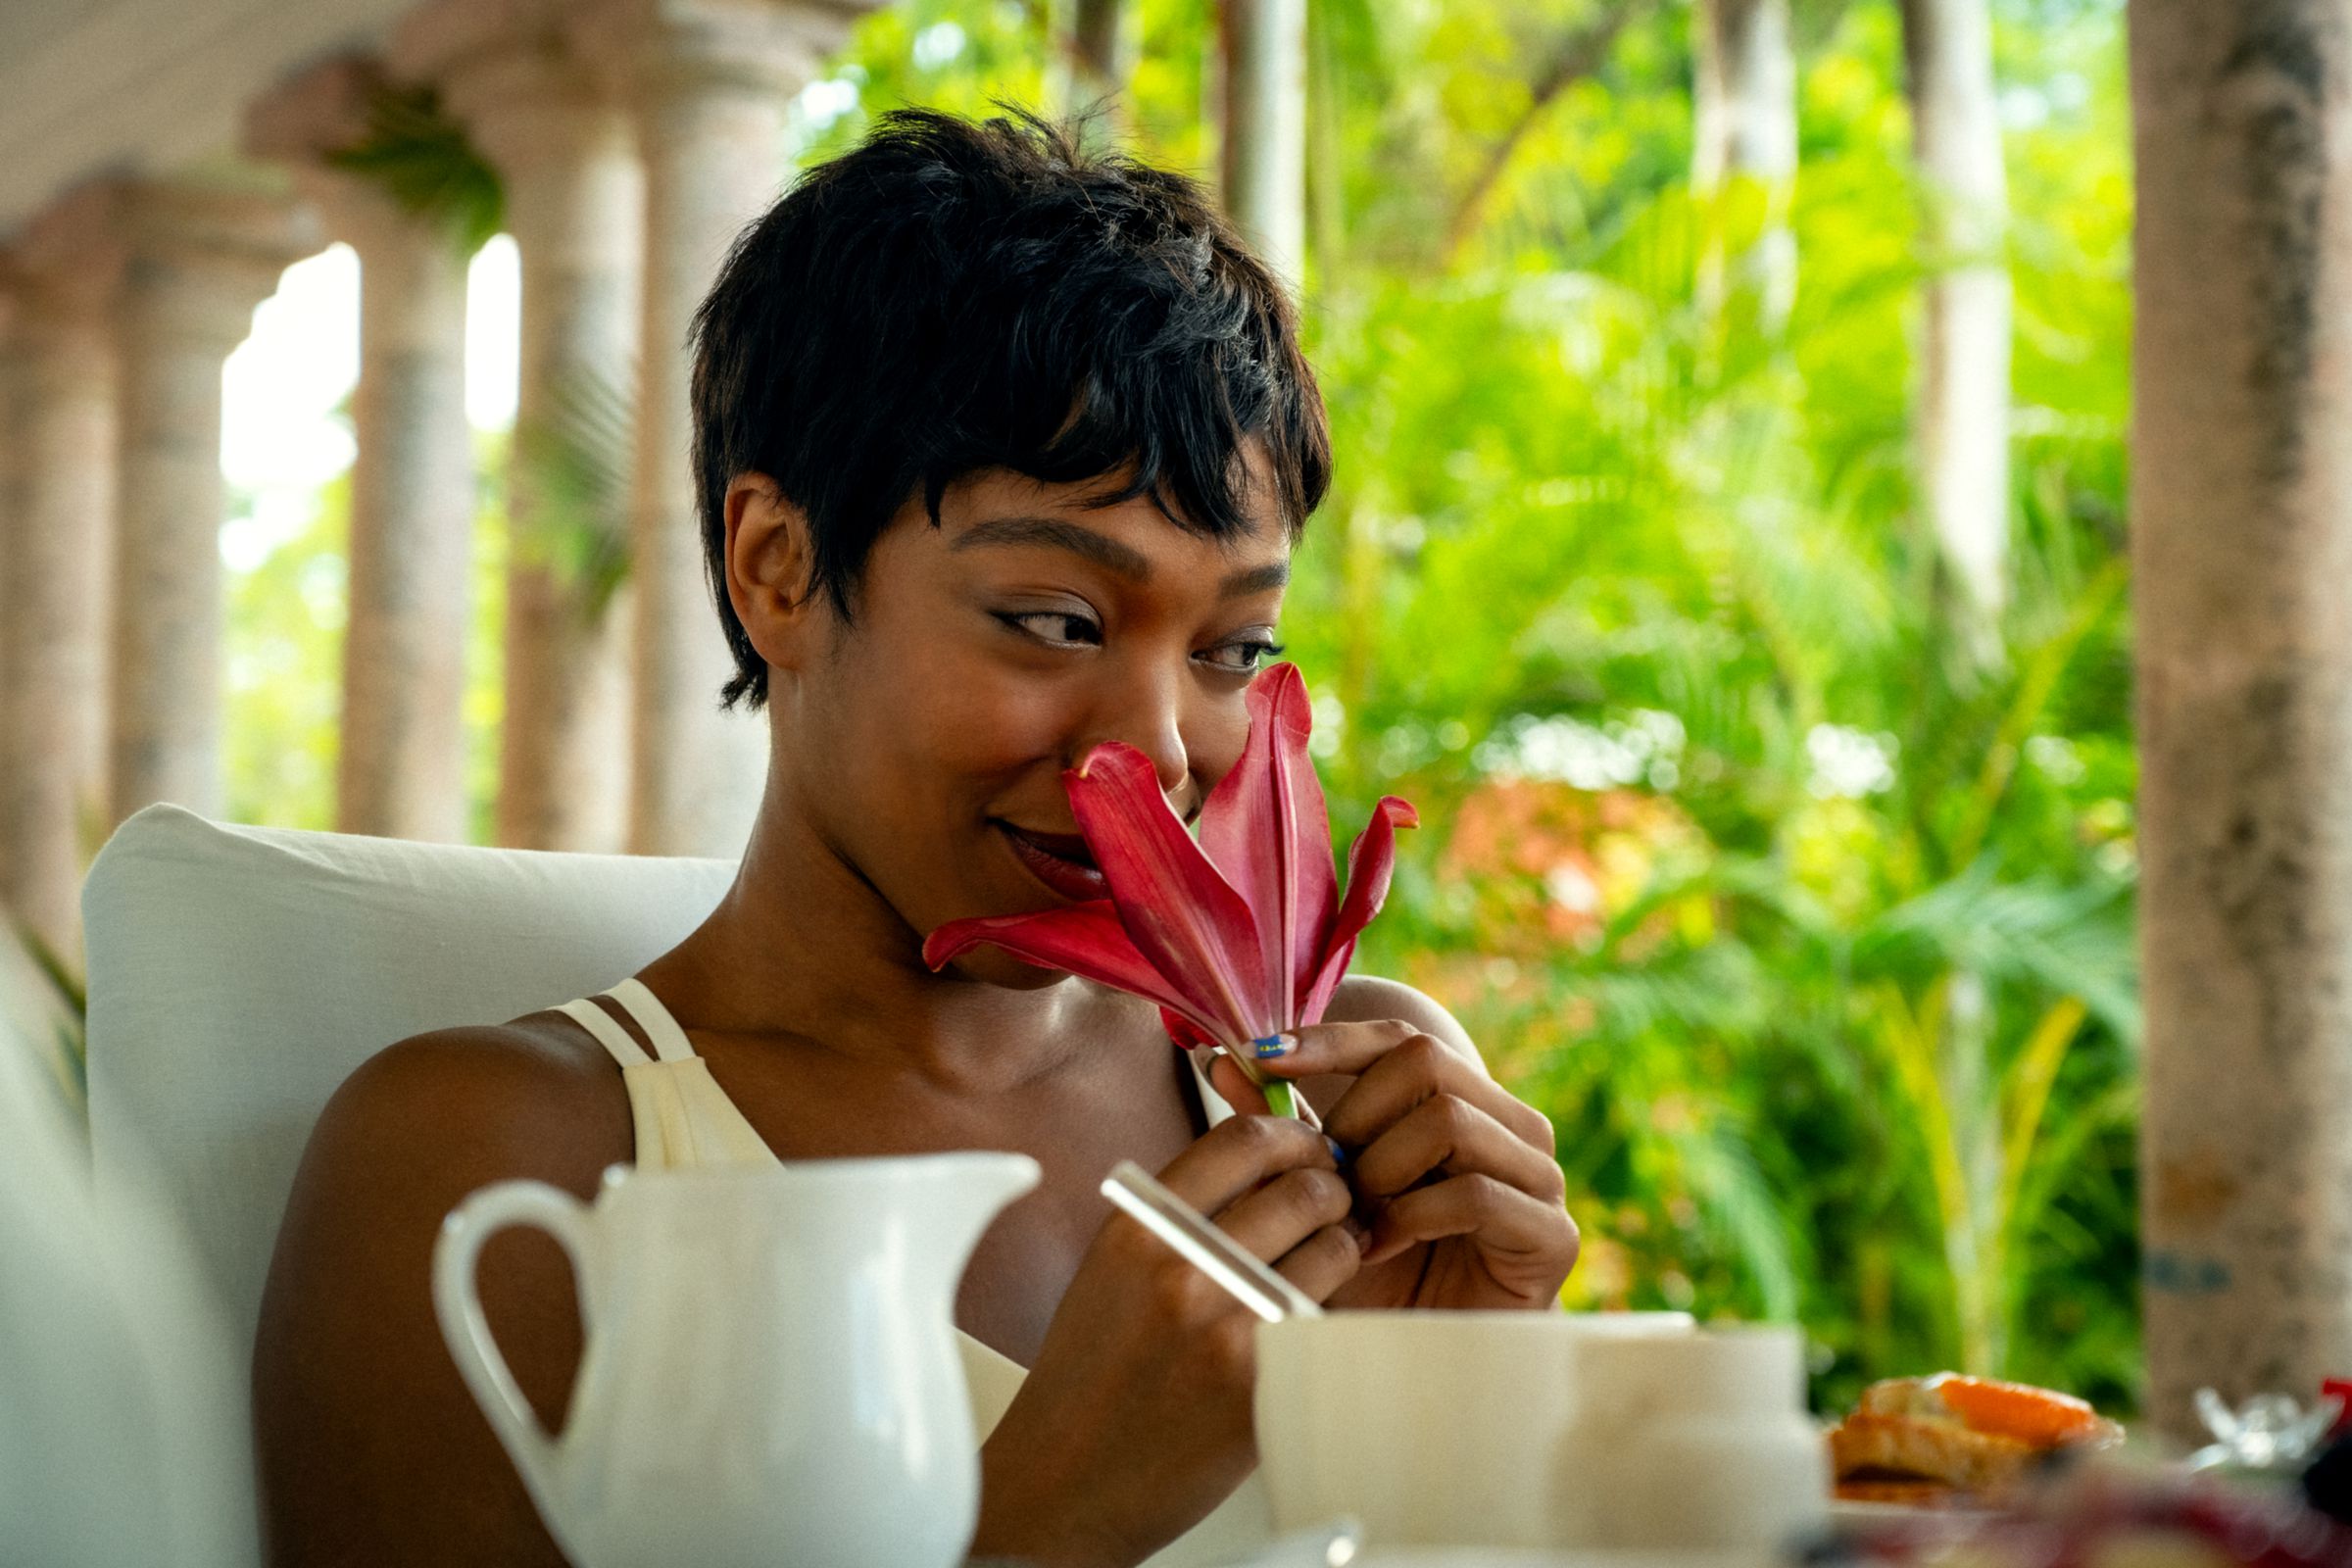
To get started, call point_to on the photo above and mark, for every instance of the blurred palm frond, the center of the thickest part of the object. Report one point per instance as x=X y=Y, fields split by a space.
x=422 y=157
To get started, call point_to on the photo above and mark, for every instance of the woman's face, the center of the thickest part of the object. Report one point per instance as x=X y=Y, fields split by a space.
x=929 y=737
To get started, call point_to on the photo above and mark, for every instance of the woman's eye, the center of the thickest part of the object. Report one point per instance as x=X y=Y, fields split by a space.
x=1056 y=627
x=1243 y=657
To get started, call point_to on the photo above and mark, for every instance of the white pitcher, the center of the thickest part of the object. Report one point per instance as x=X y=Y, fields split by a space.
x=771 y=1373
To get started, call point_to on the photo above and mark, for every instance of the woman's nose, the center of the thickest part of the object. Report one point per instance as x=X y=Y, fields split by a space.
x=1147 y=713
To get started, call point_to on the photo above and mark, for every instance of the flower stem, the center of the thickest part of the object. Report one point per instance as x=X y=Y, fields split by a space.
x=1281 y=1100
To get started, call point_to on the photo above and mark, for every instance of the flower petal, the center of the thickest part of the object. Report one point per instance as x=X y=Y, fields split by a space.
x=1183 y=1033
x=1086 y=940
x=1265 y=827
x=1370 y=864
x=1186 y=920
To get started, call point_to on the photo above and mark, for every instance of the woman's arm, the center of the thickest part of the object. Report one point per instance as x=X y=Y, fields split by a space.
x=371 y=1450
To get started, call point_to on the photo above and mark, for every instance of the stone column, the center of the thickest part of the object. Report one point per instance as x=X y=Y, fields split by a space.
x=1262 y=145
x=709 y=82
x=200 y=259
x=2241 y=545
x=401 y=772
x=1744 y=128
x=1966 y=309
x=56 y=555
x=1094 y=57
x=575 y=205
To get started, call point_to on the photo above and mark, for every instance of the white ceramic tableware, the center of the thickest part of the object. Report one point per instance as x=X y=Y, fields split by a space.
x=1699 y=1445
x=772 y=1372
x=1432 y=1428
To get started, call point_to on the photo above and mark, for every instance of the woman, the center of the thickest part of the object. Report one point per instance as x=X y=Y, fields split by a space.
x=1001 y=450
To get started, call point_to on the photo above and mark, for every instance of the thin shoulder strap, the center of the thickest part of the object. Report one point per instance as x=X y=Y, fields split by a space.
x=611 y=1036
x=669 y=1041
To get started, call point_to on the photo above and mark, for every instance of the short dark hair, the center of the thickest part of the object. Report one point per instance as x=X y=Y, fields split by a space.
x=950 y=296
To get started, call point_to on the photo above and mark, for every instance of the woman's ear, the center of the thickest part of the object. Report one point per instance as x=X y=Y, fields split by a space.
x=769 y=568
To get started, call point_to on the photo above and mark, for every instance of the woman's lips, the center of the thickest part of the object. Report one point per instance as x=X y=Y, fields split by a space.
x=1040 y=853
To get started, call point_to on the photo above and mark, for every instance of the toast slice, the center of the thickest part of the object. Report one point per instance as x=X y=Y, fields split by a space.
x=1899 y=1446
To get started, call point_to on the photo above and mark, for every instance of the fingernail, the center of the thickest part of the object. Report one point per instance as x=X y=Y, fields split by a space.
x=1339 y=1155
x=1274 y=1046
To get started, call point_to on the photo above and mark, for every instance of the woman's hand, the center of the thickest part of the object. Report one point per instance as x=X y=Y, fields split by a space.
x=1136 y=1420
x=1457 y=1178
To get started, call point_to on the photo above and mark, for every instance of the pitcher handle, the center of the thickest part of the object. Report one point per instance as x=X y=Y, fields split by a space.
x=456 y=1252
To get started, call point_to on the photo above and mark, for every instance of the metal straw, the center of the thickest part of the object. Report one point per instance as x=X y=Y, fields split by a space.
x=1208 y=1248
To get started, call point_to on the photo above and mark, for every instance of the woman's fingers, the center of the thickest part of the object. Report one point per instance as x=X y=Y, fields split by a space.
x=1396 y=1067
x=1286 y=1210
x=1229 y=1081
x=1237 y=1154
x=1271 y=1185
x=1449 y=1133
x=1323 y=1262
x=1246 y=1098
x=1506 y=1223
x=1338 y=1047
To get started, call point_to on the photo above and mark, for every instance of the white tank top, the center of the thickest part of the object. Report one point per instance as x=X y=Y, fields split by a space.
x=682 y=1119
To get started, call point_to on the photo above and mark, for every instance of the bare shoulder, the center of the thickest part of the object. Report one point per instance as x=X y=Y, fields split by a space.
x=1369 y=999
x=426 y=1121
x=530 y=1087
x=368 y=1446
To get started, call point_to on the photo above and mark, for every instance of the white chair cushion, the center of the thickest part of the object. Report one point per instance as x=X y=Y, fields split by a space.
x=239 y=974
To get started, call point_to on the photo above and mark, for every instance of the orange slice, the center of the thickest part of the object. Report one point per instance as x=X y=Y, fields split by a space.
x=2041 y=1417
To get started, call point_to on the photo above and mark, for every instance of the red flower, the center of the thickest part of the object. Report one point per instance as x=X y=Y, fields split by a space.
x=1238 y=937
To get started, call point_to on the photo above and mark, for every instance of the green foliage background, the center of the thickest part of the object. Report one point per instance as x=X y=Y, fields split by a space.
x=1814 y=941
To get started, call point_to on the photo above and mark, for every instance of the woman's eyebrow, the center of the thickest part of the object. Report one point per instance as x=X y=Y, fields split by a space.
x=1255 y=580
x=1061 y=534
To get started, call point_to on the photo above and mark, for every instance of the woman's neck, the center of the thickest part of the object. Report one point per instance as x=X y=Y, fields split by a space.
x=804 y=948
